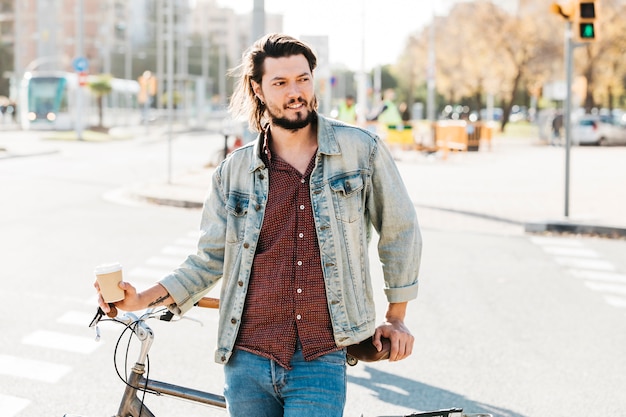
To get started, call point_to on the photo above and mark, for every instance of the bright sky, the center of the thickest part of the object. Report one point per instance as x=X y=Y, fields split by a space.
x=388 y=24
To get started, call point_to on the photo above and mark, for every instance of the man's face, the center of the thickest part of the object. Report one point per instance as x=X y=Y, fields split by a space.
x=287 y=90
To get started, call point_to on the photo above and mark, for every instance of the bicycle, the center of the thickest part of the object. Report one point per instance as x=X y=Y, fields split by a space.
x=138 y=383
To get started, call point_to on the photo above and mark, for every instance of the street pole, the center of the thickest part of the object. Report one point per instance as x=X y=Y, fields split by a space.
x=170 y=86
x=80 y=52
x=567 y=116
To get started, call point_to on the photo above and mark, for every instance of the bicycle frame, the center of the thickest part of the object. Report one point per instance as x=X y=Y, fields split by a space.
x=132 y=405
x=136 y=384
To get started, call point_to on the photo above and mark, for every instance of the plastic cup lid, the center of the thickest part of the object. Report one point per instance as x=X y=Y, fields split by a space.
x=108 y=268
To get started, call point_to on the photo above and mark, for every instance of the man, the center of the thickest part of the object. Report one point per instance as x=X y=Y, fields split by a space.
x=285 y=227
x=347 y=110
x=388 y=114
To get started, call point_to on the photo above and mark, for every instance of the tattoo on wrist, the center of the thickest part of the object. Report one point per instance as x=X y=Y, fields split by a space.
x=159 y=300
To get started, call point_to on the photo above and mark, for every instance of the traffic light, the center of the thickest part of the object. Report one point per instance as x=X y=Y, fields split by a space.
x=585 y=21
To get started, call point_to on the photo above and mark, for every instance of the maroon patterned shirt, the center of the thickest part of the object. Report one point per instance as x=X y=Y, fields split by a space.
x=286 y=298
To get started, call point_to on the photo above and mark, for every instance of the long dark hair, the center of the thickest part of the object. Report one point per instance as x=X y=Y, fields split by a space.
x=244 y=103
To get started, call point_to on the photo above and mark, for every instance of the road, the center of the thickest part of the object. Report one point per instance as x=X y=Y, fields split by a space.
x=513 y=324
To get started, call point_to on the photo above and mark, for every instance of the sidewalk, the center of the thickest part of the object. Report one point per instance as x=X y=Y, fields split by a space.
x=517 y=187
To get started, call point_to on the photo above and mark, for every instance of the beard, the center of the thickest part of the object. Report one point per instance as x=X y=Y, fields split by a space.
x=294 y=124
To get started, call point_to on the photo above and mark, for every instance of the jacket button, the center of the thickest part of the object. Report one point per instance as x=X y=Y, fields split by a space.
x=240 y=283
x=257 y=207
x=246 y=245
x=233 y=321
x=261 y=176
x=223 y=358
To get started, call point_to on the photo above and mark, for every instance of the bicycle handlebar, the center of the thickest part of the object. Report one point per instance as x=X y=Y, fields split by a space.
x=208 y=302
x=204 y=302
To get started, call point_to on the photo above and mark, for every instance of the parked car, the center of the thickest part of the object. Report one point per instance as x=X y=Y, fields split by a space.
x=599 y=130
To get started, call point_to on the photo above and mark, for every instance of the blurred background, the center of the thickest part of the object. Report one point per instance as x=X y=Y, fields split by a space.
x=500 y=61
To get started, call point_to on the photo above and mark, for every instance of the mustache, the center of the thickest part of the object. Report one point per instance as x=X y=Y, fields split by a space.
x=297 y=100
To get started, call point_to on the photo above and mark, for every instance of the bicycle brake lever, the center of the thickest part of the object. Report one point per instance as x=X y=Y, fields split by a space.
x=166 y=316
x=169 y=316
x=95 y=321
x=96 y=318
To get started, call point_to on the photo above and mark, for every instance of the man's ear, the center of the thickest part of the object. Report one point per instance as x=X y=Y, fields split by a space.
x=256 y=88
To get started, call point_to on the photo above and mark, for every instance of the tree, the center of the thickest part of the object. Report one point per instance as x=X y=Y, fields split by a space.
x=100 y=87
x=483 y=49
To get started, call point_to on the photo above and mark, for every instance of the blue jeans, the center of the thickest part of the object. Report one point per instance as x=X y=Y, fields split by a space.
x=258 y=387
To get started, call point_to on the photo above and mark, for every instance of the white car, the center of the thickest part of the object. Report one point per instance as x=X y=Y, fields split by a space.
x=599 y=130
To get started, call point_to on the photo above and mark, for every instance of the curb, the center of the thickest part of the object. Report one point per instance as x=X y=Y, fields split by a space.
x=564 y=227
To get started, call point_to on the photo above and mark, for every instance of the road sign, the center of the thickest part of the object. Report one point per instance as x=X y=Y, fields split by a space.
x=80 y=64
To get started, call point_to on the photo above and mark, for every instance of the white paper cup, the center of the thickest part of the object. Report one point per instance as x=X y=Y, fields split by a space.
x=108 y=277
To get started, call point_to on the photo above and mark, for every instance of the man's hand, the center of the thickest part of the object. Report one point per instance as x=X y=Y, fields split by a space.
x=396 y=331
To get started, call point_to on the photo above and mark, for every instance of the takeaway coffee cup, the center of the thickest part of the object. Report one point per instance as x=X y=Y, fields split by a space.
x=108 y=277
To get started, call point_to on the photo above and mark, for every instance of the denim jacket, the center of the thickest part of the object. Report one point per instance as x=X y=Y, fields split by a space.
x=355 y=185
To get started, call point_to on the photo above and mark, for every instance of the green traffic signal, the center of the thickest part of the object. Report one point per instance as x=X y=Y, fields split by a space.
x=587 y=31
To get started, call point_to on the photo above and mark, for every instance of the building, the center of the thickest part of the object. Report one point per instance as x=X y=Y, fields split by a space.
x=121 y=37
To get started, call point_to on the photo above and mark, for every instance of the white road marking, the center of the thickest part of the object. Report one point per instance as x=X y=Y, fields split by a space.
x=177 y=250
x=595 y=264
x=10 y=406
x=32 y=369
x=571 y=251
x=619 y=302
x=607 y=288
x=541 y=241
x=78 y=318
x=164 y=261
x=61 y=341
x=599 y=275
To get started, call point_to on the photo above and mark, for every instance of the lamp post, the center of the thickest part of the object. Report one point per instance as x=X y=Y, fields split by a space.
x=80 y=52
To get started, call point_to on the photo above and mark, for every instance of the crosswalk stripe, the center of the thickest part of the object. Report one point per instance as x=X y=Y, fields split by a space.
x=61 y=341
x=164 y=261
x=599 y=275
x=555 y=241
x=78 y=318
x=10 y=406
x=177 y=250
x=571 y=251
x=32 y=369
x=609 y=288
x=597 y=264
x=615 y=301
x=190 y=242
x=150 y=274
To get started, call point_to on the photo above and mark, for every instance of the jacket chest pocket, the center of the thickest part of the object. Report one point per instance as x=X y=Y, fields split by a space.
x=237 y=209
x=347 y=196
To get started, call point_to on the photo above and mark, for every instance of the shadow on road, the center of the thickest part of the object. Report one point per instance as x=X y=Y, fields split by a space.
x=400 y=391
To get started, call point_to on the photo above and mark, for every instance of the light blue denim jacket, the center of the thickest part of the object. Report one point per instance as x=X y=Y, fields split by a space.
x=355 y=185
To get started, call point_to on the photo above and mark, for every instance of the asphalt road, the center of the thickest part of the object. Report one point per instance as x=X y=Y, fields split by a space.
x=506 y=322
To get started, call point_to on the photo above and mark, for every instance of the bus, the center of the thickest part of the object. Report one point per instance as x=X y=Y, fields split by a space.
x=48 y=101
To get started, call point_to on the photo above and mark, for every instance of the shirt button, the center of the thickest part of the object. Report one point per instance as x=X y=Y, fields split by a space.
x=301 y=235
x=299 y=263
x=298 y=317
x=302 y=180
x=301 y=206
x=299 y=290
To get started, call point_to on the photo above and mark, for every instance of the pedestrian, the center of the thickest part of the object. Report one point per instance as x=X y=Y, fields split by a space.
x=388 y=113
x=557 y=126
x=286 y=227
x=347 y=110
